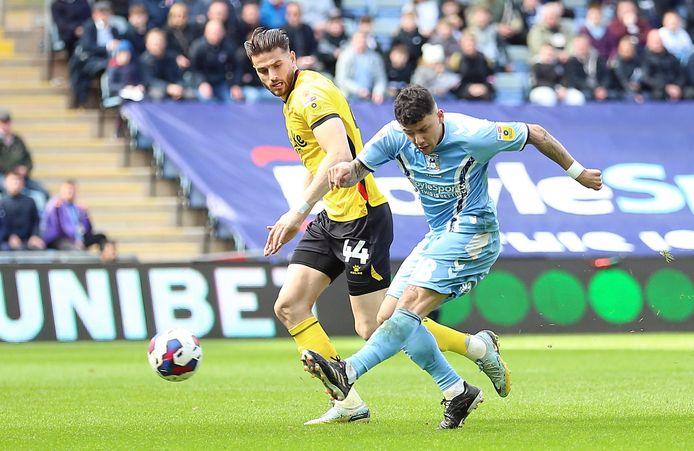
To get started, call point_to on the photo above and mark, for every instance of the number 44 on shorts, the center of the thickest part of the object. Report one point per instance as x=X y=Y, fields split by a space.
x=358 y=251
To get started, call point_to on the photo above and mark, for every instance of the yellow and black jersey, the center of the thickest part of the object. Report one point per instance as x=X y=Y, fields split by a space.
x=313 y=100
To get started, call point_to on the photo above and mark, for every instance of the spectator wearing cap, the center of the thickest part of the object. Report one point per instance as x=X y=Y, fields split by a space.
x=360 y=72
x=331 y=43
x=68 y=17
x=66 y=226
x=16 y=157
x=92 y=54
x=301 y=38
x=124 y=77
x=161 y=74
x=21 y=217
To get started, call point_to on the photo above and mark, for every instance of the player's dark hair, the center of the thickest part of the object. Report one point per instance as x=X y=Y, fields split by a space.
x=266 y=40
x=412 y=104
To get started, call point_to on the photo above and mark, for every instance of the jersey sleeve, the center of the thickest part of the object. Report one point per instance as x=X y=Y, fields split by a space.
x=317 y=105
x=495 y=137
x=380 y=149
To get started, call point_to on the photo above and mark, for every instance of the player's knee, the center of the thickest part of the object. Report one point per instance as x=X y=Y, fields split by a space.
x=381 y=317
x=365 y=328
x=284 y=310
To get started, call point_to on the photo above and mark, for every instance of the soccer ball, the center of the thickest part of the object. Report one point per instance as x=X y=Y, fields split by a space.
x=175 y=354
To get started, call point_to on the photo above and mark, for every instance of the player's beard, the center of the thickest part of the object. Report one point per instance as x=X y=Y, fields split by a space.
x=283 y=89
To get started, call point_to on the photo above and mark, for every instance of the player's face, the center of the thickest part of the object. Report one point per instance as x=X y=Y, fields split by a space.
x=276 y=70
x=426 y=133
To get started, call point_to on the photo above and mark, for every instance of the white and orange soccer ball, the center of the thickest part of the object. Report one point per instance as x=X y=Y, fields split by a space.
x=175 y=354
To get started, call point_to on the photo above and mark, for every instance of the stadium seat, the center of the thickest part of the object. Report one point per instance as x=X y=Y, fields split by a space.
x=354 y=9
x=518 y=56
x=510 y=88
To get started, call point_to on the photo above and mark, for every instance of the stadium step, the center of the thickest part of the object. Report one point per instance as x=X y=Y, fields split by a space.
x=106 y=218
x=133 y=233
x=102 y=173
x=106 y=189
x=26 y=117
x=31 y=87
x=85 y=145
x=20 y=73
x=78 y=159
x=64 y=145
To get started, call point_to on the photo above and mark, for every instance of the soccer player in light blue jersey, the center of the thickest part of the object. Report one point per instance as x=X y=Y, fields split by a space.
x=446 y=158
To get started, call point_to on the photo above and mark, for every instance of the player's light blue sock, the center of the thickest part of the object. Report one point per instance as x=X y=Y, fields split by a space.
x=421 y=347
x=388 y=339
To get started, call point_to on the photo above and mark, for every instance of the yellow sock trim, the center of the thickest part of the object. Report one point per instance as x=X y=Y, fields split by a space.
x=446 y=338
x=309 y=334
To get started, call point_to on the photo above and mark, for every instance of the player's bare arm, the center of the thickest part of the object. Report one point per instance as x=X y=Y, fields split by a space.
x=332 y=138
x=549 y=146
x=344 y=175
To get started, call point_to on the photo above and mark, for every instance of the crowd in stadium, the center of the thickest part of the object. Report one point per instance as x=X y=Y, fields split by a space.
x=193 y=49
x=32 y=220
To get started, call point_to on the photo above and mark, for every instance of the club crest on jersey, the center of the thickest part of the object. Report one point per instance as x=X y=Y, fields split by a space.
x=505 y=133
x=311 y=100
x=433 y=162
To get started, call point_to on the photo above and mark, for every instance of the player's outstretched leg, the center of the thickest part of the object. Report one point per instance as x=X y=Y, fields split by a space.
x=458 y=408
x=332 y=374
x=459 y=397
x=340 y=414
x=493 y=365
x=309 y=334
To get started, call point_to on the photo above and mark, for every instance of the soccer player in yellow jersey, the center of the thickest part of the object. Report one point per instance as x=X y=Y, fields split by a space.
x=352 y=235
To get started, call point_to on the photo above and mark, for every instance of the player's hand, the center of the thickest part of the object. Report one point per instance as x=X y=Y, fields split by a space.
x=339 y=175
x=286 y=227
x=590 y=178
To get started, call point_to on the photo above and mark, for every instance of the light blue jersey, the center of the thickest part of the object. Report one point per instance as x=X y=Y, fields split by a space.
x=451 y=182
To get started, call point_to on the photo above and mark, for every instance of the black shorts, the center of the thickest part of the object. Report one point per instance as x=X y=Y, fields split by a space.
x=360 y=248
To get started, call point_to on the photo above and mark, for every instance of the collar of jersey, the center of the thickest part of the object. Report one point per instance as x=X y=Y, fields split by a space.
x=291 y=89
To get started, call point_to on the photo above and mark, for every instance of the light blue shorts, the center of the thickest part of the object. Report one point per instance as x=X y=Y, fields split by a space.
x=450 y=263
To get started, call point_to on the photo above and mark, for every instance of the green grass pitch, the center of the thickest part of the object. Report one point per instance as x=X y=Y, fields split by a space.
x=569 y=392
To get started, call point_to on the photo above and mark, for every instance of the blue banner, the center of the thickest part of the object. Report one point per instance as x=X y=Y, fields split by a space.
x=239 y=156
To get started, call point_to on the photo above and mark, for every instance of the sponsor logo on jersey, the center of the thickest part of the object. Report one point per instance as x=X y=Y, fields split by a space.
x=505 y=133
